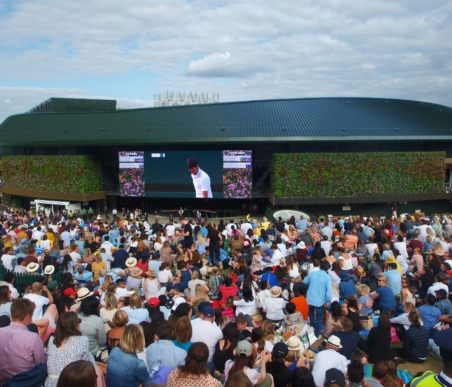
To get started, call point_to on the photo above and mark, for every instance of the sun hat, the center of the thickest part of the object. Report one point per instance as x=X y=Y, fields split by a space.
x=311 y=355
x=334 y=341
x=154 y=302
x=32 y=267
x=83 y=293
x=294 y=343
x=136 y=272
x=244 y=348
x=69 y=292
x=130 y=293
x=280 y=350
x=49 y=269
x=130 y=262
x=334 y=376
x=151 y=273
x=302 y=245
x=275 y=291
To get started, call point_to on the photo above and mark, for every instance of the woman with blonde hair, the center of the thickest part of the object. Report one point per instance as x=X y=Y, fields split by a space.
x=293 y=270
x=151 y=285
x=200 y=296
x=341 y=242
x=124 y=367
x=104 y=287
x=201 y=245
x=268 y=334
x=136 y=310
x=365 y=301
x=166 y=253
x=257 y=266
x=8 y=241
x=191 y=286
x=87 y=258
x=293 y=235
x=109 y=310
x=97 y=265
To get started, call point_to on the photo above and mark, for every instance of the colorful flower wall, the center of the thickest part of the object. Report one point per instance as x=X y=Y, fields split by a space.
x=356 y=174
x=66 y=174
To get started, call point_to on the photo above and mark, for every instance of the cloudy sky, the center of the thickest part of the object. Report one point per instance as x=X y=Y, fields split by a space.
x=129 y=50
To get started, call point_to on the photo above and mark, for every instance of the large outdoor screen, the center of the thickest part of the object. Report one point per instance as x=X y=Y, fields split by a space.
x=186 y=174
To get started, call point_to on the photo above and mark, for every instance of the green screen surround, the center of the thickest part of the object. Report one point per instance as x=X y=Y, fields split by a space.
x=296 y=175
x=65 y=174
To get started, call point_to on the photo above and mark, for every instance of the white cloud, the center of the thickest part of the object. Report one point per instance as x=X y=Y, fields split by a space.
x=244 y=50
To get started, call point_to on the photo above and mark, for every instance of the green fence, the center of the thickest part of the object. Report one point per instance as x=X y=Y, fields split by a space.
x=22 y=281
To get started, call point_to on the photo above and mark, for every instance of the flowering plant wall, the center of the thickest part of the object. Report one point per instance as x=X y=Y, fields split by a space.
x=66 y=174
x=356 y=174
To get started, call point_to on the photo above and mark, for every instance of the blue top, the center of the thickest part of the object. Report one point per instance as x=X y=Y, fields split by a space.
x=416 y=341
x=394 y=280
x=120 y=257
x=126 y=370
x=444 y=306
x=302 y=224
x=185 y=276
x=184 y=346
x=270 y=278
x=166 y=352
x=346 y=288
x=430 y=315
x=365 y=311
x=386 y=298
x=320 y=288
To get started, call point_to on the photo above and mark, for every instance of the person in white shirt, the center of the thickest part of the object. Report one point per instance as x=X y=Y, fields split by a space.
x=121 y=290
x=74 y=254
x=282 y=247
x=38 y=234
x=107 y=245
x=45 y=243
x=439 y=278
x=371 y=246
x=8 y=258
x=229 y=227
x=9 y=279
x=245 y=305
x=326 y=244
x=40 y=301
x=276 y=257
x=207 y=331
x=423 y=230
x=244 y=227
x=274 y=305
x=169 y=228
x=201 y=180
x=328 y=232
x=329 y=358
x=401 y=246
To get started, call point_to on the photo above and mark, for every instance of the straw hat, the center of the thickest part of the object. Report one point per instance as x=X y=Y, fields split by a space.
x=83 y=293
x=32 y=267
x=131 y=262
x=334 y=341
x=136 y=272
x=49 y=269
x=294 y=343
x=151 y=273
x=275 y=291
x=311 y=355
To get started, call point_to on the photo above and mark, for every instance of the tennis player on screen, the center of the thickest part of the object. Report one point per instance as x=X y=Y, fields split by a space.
x=201 y=180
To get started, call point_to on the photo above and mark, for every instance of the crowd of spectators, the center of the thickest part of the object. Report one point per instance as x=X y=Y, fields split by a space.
x=294 y=302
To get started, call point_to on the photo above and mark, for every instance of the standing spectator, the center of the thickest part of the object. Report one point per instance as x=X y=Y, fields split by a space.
x=319 y=294
x=21 y=351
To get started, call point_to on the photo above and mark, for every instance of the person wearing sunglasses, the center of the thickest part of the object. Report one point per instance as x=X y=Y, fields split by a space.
x=384 y=298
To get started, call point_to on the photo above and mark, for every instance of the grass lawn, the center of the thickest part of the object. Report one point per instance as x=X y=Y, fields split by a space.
x=431 y=363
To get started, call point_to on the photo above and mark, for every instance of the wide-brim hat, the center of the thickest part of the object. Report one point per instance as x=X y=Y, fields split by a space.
x=302 y=245
x=294 y=343
x=275 y=291
x=130 y=262
x=50 y=269
x=83 y=293
x=311 y=355
x=334 y=341
x=151 y=273
x=32 y=267
x=136 y=272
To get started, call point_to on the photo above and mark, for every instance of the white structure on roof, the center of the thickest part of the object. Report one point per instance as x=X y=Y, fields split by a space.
x=171 y=98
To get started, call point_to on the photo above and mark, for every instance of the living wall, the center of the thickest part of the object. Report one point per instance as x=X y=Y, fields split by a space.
x=356 y=174
x=65 y=174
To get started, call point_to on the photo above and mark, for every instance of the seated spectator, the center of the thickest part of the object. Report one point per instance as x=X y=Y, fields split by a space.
x=92 y=325
x=293 y=321
x=124 y=368
x=207 y=332
x=183 y=333
x=228 y=289
x=379 y=372
x=246 y=305
x=242 y=326
x=402 y=319
x=442 y=302
x=351 y=310
x=277 y=367
x=429 y=313
x=67 y=346
x=109 y=310
x=349 y=338
x=365 y=301
x=79 y=373
x=274 y=305
x=415 y=345
x=44 y=305
x=302 y=376
x=21 y=351
x=245 y=361
x=384 y=299
x=329 y=358
x=119 y=321
x=332 y=321
x=378 y=343
x=301 y=305
x=136 y=310
x=163 y=351
x=224 y=349
x=194 y=371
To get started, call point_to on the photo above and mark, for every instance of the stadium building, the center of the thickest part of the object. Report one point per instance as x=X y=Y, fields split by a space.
x=320 y=155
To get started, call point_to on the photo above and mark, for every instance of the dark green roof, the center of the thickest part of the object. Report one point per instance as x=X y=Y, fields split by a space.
x=307 y=119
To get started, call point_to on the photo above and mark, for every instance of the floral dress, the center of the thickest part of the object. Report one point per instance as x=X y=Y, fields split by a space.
x=293 y=324
x=76 y=348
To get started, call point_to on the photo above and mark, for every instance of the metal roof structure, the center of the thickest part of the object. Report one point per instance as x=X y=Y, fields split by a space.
x=295 y=120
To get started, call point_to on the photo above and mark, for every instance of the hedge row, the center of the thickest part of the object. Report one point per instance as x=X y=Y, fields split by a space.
x=356 y=174
x=66 y=174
